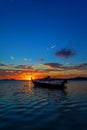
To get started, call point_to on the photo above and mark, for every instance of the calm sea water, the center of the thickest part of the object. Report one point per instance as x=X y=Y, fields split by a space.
x=24 y=107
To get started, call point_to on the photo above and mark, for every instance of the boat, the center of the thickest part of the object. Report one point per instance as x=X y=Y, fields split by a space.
x=49 y=84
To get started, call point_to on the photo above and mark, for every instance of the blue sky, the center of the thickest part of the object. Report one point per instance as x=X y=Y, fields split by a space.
x=32 y=30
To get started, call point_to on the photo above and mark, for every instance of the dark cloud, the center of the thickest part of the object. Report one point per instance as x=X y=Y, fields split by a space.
x=24 y=67
x=3 y=64
x=80 y=67
x=65 y=53
x=4 y=72
x=50 y=68
x=53 y=65
x=58 y=66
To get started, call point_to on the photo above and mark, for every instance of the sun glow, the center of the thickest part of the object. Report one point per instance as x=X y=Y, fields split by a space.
x=28 y=77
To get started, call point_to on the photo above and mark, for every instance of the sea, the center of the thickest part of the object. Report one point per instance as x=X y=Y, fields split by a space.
x=26 y=107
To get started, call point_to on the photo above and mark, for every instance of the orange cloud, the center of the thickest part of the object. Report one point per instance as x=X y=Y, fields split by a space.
x=22 y=72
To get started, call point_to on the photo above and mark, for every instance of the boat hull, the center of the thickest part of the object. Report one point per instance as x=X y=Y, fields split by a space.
x=49 y=85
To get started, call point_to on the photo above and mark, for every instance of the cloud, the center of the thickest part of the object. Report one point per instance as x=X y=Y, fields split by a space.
x=51 y=47
x=53 y=65
x=40 y=59
x=3 y=64
x=55 y=69
x=12 y=57
x=25 y=59
x=82 y=66
x=58 y=66
x=65 y=53
x=69 y=64
x=11 y=66
x=6 y=66
x=24 y=67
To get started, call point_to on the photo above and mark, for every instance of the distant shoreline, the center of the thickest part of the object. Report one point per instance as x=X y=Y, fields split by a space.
x=50 y=79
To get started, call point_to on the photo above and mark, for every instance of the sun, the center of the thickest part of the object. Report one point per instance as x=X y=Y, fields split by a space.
x=28 y=77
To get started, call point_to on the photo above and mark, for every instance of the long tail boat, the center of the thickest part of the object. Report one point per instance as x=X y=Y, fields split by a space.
x=49 y=84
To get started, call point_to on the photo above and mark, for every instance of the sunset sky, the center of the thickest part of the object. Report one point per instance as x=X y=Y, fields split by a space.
x=43 y=37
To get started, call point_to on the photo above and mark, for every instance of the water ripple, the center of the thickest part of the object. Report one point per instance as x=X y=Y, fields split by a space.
x=24 y=107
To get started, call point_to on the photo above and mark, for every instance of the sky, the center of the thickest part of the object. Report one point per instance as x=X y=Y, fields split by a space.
x=43 y=37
